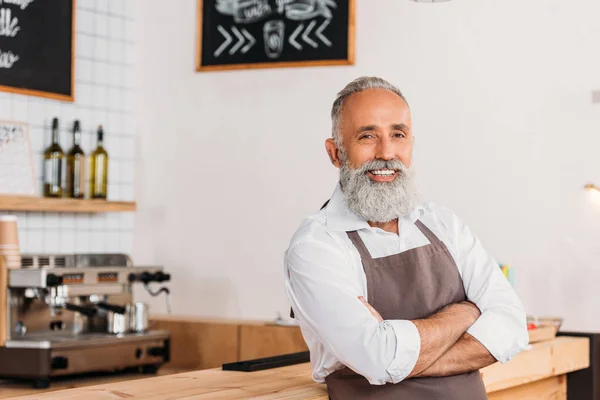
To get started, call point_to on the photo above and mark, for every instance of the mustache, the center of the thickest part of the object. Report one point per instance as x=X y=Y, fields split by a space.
x=382 y=164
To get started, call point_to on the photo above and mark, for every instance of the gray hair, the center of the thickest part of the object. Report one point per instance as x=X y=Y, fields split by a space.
x=356 y=86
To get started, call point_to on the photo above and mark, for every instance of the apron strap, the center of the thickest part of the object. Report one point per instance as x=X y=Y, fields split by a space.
x=433 y=239
x=360 y=246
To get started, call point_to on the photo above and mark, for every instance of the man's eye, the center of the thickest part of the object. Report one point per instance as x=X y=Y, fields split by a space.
x=366 y=136
x=399 y=134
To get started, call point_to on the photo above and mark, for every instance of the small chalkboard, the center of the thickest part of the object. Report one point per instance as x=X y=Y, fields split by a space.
x=239 y=34
x=37 y=47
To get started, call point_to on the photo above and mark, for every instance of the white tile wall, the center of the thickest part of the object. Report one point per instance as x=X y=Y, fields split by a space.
x=102 y=96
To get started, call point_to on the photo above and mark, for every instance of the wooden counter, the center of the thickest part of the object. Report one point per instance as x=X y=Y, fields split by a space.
x=537 y=373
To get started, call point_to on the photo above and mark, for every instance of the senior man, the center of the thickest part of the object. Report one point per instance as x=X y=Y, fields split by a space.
x=396 y=299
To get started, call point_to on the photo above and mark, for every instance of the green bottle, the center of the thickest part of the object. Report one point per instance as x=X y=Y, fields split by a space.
x=99 y=169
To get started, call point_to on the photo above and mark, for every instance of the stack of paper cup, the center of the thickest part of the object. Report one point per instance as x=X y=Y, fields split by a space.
x=9 y=241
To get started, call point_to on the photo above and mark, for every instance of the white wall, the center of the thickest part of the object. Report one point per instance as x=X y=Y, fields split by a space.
x=507 y=136
x=103 y=95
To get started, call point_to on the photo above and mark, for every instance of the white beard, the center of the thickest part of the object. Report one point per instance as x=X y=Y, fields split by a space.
x=378 y=201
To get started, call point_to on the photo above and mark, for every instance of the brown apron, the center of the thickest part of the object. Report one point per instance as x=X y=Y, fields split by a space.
x=411 y=285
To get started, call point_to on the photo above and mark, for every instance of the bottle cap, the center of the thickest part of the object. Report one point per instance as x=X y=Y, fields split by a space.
x=100 y=132
x=76 y=125
x=55 y=123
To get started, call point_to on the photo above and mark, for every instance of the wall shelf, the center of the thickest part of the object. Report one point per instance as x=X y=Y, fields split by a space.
x=35 y=204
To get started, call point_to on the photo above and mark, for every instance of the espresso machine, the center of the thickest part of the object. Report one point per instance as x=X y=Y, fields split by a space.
x=72 y=314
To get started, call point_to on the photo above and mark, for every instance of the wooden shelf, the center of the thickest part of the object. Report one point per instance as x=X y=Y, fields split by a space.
x=32 y=203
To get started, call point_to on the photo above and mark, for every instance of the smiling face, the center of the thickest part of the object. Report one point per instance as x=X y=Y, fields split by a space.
x=375 y=155
x=375 y=124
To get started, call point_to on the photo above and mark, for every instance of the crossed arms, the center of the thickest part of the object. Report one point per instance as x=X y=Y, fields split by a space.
x=446 y=347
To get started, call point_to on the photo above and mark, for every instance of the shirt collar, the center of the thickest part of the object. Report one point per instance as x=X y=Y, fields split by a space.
x=340 y=218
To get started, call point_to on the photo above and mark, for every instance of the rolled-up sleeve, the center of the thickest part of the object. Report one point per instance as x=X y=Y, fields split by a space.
x=502 y=326
x=324 y=294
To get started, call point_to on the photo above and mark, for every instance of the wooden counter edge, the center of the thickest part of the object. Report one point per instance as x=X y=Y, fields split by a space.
x=543 y=361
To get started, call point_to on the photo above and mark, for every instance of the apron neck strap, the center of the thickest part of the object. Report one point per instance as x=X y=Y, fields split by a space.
x=360 y=245
x=434 y=240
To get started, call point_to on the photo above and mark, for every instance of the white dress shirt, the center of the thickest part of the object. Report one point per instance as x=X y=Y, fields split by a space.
x=324 y=277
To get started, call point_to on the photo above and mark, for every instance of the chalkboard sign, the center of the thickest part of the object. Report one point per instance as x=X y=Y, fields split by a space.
x=37 y=47
x=237 y=34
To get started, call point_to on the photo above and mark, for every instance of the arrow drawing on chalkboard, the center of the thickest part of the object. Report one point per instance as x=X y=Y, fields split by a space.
x=319 y=32
x=250 y=38
x=226 y=43
x=241 y=40
x=307 y=32
x=294 y=35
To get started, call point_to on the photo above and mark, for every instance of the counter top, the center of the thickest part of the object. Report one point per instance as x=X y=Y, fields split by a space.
x=540 y=364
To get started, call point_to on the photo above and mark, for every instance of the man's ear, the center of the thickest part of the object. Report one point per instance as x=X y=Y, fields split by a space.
x=333 y=152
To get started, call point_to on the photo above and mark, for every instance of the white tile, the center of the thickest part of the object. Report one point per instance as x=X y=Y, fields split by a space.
x=127 y=221
x=87 y=4
x=84 y=46
x=114 y=99
x=114 y=170
x=89 y=143
x=82 y=241
x=129 y=56
x=128 y=172
x=101 y=75
x=100 y=49
x=126 y=80
x=21 y=220
x=113 y=221
x=128 y=124
x=35 y=241
x=5 y=108
x=82 y=222
x=85 y=22
x=35 y=109
x=115 y=27
x=36 y=135
x=34 y=220
x=67 y=111
x=98 y=222
x=83 y=70
x=67 y=241
x=51 y=221
x=113 y=242
x=127 y=193
x=52 y=241
x=115 y=7
x=65 y=142
x=127 y=101
x=114 y=75
x=101 y=24
x=114 y=191
x=116 y=52
x=102 y=6
x=97 y=242
x=129 y=9
x=51 y=110
x=67 y=221
x=22 y=240
x=84 y=95
x=19 y=110
x=114 y=121
x=101 y=96
x=126 y=242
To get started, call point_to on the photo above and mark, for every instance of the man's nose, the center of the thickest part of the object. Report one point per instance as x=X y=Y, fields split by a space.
x=384 y=150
